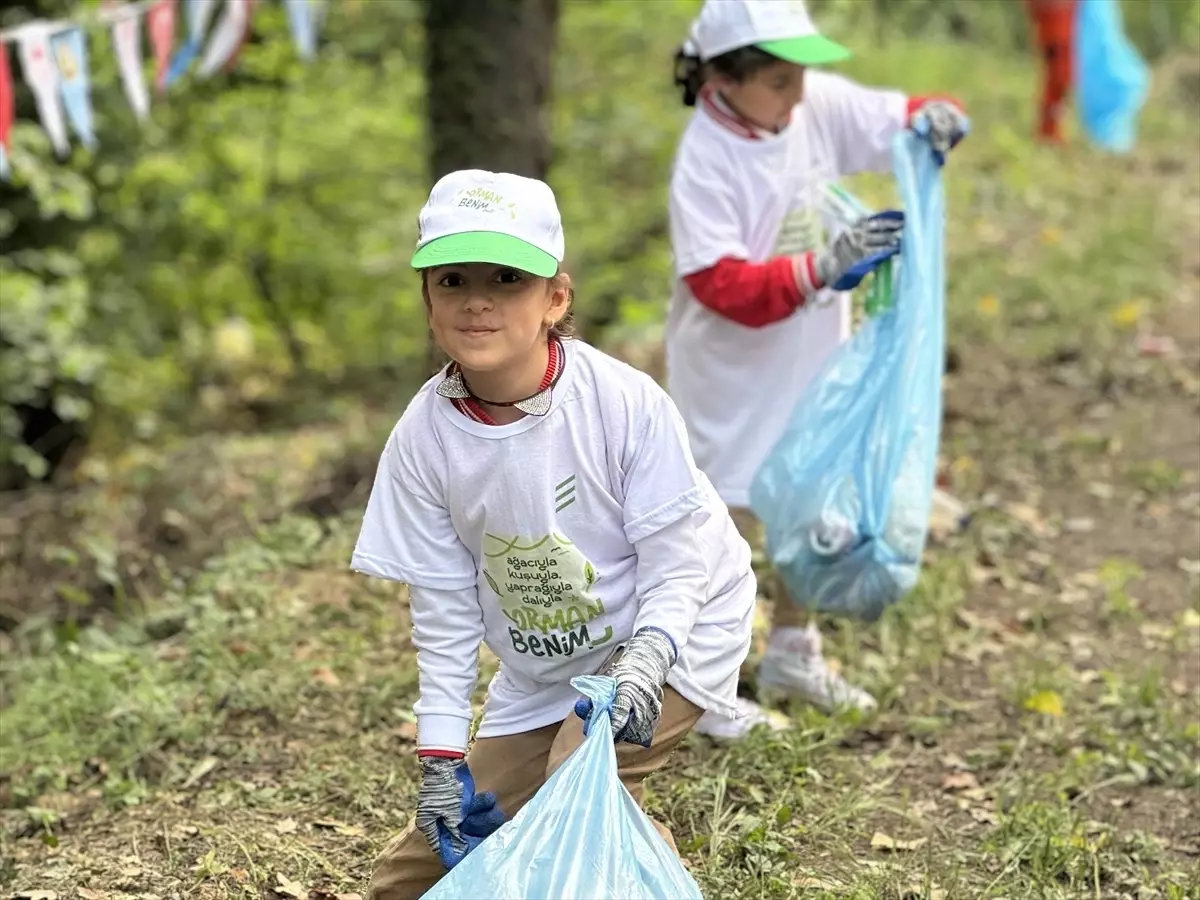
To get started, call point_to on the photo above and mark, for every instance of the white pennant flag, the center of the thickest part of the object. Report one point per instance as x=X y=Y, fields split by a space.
x=302 y=17
x=33 y=47
x=127 y=41
x=227 y=37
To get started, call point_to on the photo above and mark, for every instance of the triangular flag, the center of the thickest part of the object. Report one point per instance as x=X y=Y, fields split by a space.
x=70 y=54
x=33 y=46
x=127 y=42
x=160 y=21
x=227 y=38
x=199 y=14
x=8 y=111
x=302 y=18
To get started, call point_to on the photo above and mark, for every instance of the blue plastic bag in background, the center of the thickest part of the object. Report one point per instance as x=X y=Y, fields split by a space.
x=581 y=837
x=845 y=494
x=1110 y=77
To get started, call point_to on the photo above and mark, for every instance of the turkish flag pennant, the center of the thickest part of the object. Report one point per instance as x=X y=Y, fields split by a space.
x=8 y=111
x=161 y=25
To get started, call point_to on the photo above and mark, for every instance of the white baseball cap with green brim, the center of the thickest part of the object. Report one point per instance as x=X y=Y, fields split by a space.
x=782 y=28
x=473 y=216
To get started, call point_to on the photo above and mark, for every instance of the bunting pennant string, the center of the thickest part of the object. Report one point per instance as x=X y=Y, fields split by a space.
x=54 y=63
x=33 y=47
x=8 y=111
x=127 y=45
x=161 y=21
x=70 y=55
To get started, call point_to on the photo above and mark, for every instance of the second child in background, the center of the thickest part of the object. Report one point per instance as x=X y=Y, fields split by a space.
x=754 y=314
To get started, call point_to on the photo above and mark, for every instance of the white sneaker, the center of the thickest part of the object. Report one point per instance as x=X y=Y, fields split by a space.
x=749 y=716
x=795 y=665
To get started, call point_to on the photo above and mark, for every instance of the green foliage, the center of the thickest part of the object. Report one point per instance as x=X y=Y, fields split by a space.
x=251 y=241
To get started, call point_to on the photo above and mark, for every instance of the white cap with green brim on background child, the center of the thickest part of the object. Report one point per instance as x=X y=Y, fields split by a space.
x=473 y=216
x=782 y=28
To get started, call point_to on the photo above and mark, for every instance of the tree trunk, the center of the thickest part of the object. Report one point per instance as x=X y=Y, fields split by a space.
x=488 y=70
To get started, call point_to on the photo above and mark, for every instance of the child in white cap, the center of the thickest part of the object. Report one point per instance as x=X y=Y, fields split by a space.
x=760 y=296
x=539 y=497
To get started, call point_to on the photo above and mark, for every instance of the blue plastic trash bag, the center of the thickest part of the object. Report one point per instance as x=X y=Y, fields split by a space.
x=581 y=837
x=1110 y=77
x=845 y=494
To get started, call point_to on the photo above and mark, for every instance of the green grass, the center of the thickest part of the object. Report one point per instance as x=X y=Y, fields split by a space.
x=252 y=731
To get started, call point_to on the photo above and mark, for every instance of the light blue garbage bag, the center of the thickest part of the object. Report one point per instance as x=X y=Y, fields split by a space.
x=1111 y=80
x=581 y=837
x=845 y=494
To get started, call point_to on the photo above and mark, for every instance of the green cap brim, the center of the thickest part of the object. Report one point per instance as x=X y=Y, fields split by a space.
x=811 y=50
x=485 y=247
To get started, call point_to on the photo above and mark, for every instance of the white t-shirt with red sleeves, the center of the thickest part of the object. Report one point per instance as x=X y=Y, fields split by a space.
x=525 y=536
x=754 y=197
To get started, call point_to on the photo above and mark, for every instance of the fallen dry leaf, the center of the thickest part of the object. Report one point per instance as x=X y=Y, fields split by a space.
x=954 y=761
x=288 y=888
x=816 y=884
x=982 y=815
x=86 y=894
x=341 y=828
x=959 y=781
x=201 y=769
x=286 y=826
x=881 y=841
x=325 y=676
x=1027 y=516
x=1154 y=345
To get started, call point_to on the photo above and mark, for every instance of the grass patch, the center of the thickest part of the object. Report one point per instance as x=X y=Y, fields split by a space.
x=249 y=731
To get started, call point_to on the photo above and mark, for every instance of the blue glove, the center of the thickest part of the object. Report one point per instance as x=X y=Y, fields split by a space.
x=640 y=672
x=452 y=817
x=941 y=123
x=860 y=249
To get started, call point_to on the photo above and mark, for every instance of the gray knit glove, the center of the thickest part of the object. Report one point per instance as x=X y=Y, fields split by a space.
x=640 y=674
x=858 y=249
x=441 y=798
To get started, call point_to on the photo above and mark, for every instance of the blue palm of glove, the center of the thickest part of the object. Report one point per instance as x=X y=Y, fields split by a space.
x=583 y=709
x=480 y=817
x=853 y=276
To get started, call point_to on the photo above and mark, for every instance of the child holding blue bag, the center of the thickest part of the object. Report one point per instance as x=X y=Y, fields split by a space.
x=760 y=296
x=539 y=497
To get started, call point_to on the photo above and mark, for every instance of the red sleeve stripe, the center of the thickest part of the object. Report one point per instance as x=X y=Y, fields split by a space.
x=751 y=294
x=441 y=754
x=915 y=103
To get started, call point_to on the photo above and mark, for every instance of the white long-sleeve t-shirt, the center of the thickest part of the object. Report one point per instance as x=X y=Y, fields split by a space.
x=552 y=540
x=754 y=198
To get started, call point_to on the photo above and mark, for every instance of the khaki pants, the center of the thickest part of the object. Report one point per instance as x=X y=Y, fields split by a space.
x=784 y=613
x=514 y=767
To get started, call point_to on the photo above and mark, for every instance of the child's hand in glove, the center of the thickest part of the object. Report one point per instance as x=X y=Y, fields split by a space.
x=451 y=816
x=858 y=250
x=640 y=673
x=942 y=123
